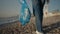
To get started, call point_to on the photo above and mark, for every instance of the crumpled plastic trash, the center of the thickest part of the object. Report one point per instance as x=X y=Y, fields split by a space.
x=25 y=15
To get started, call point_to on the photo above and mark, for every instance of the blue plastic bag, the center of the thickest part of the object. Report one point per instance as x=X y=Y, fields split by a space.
x=25 y=14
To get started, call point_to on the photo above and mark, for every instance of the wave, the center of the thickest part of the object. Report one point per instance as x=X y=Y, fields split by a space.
x=9 y=19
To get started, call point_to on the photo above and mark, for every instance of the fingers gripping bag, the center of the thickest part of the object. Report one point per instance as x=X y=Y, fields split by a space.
x=25 y=15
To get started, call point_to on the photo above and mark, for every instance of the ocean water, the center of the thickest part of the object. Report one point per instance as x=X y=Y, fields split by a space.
x=9 y=19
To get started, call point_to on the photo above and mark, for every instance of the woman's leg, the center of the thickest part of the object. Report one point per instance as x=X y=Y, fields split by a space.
x=38 y=7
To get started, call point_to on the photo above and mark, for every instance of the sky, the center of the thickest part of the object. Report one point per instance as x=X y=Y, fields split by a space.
x=9 y=8
x=12 y=7
x=54 y=5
